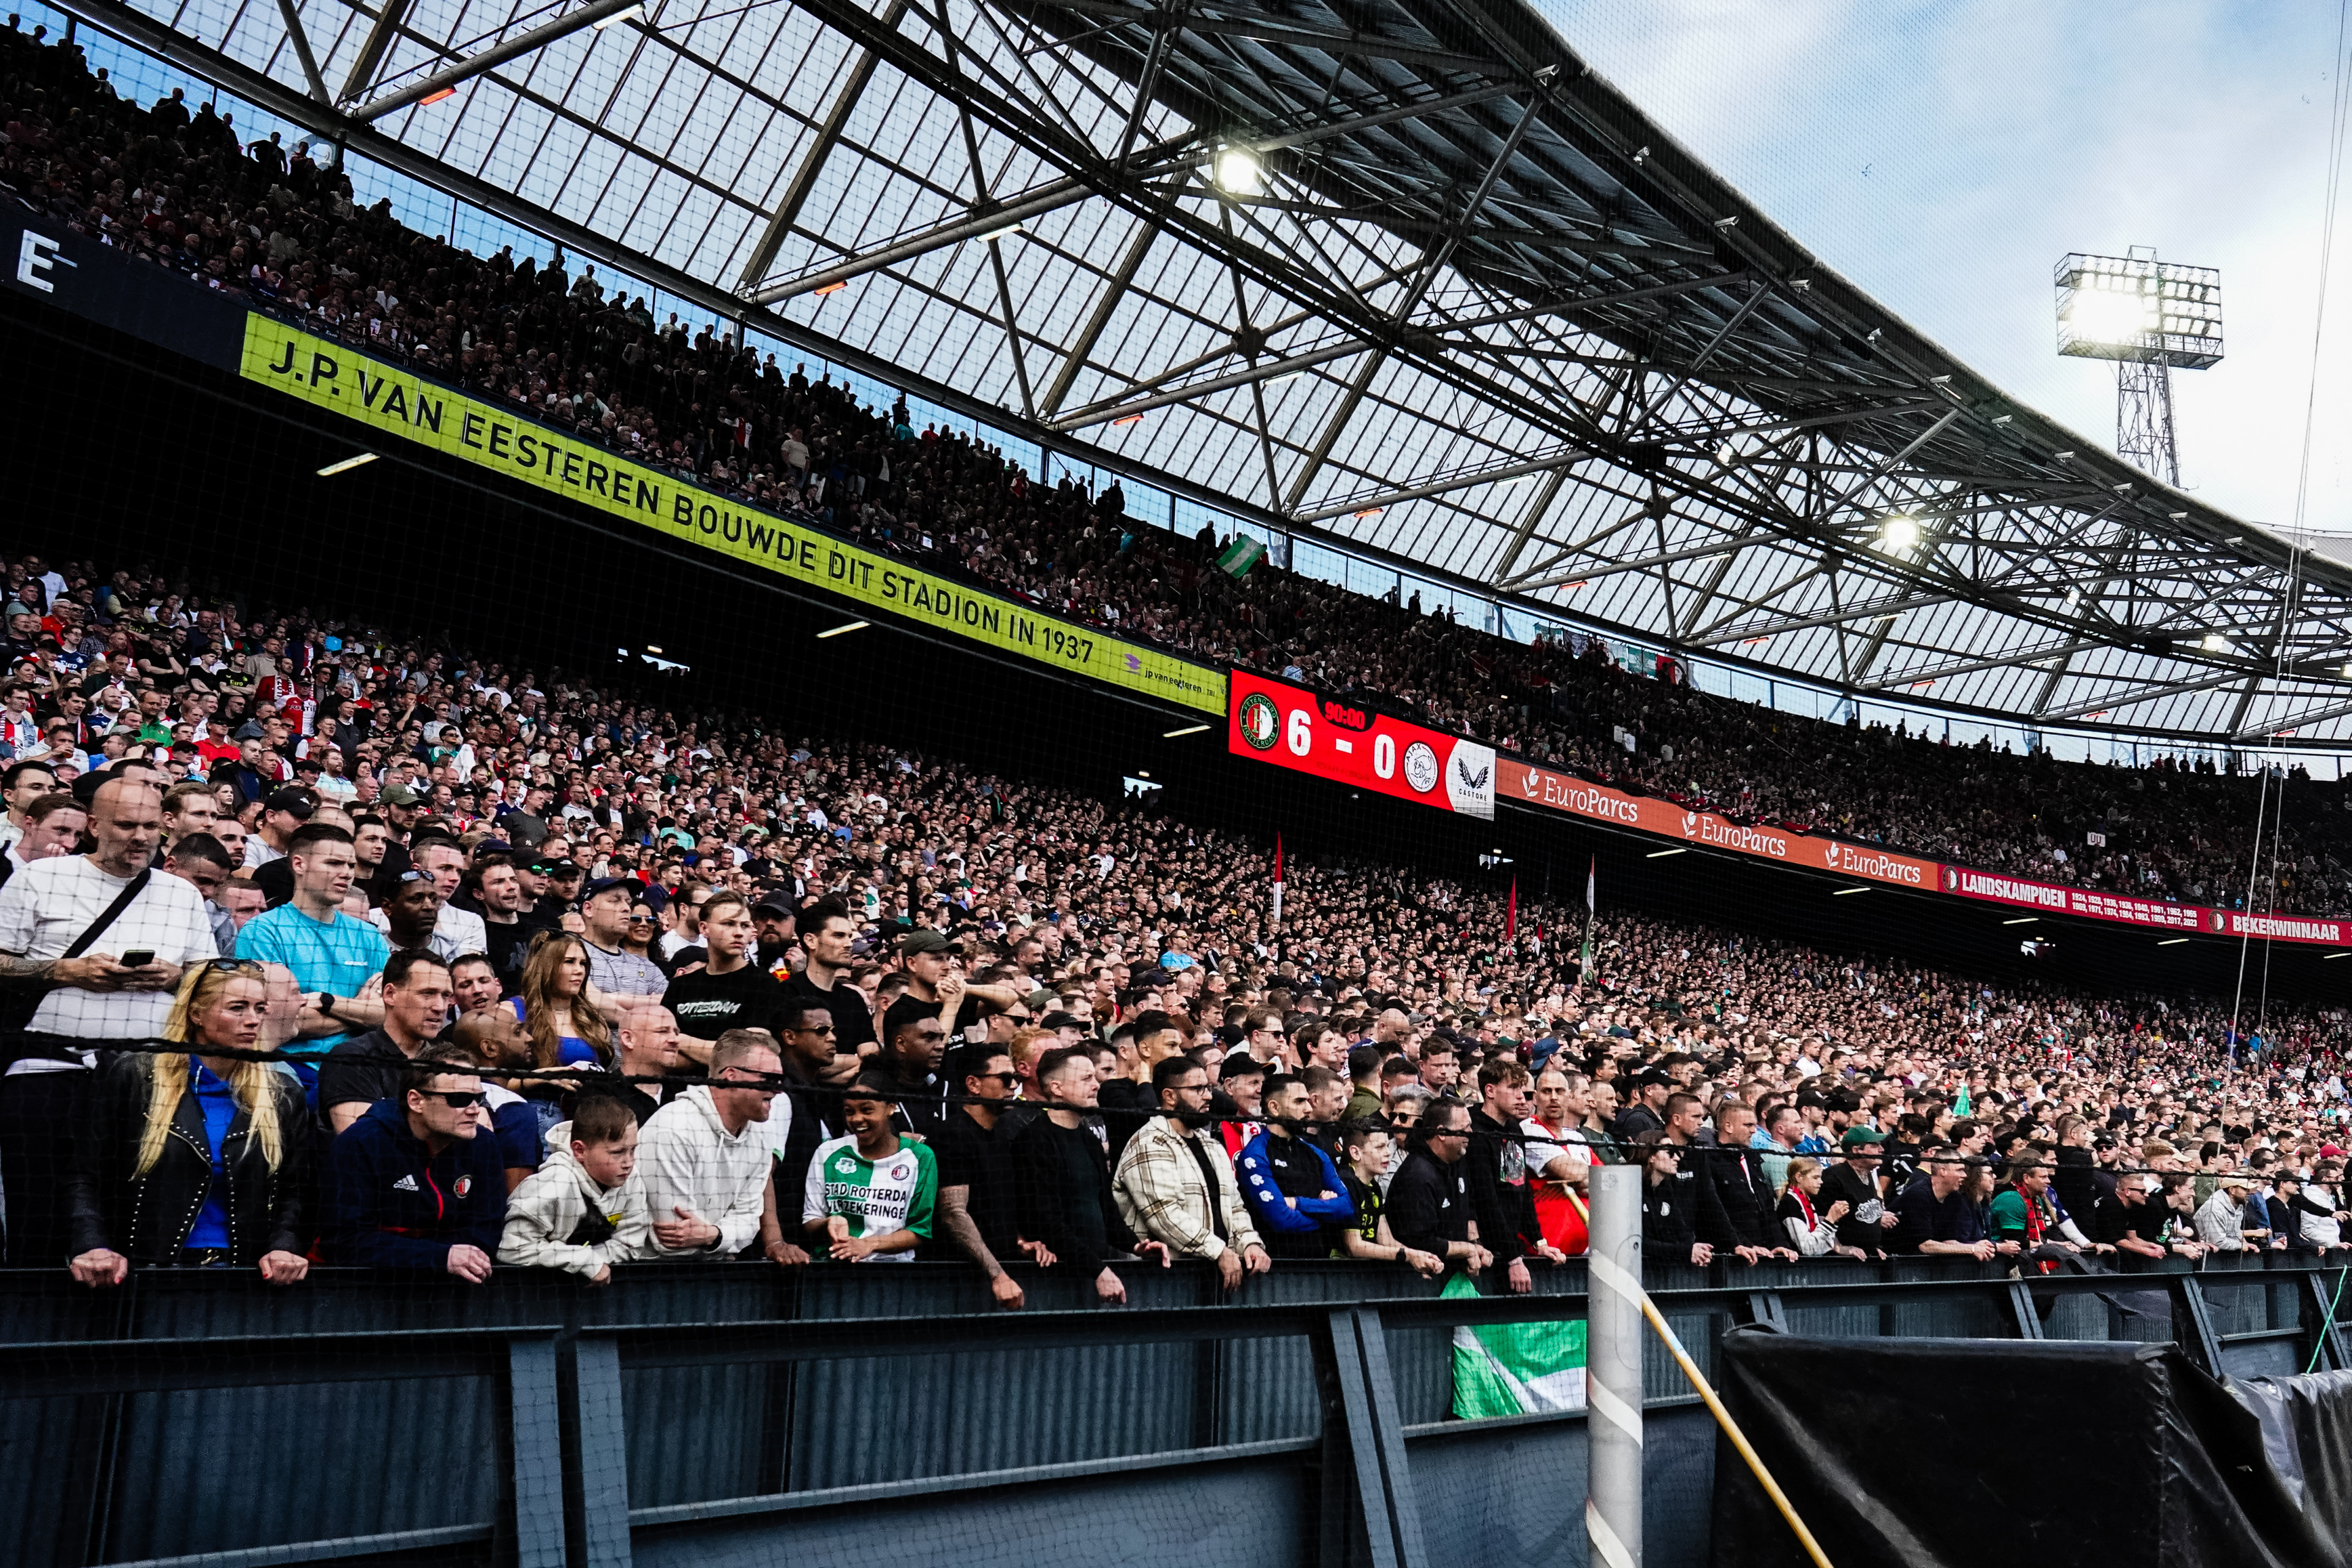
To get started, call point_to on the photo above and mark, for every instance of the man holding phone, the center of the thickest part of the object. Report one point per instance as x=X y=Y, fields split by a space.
x=91 y=947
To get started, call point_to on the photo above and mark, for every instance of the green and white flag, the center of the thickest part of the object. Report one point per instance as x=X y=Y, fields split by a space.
x=1239 y=556
x=1514 y=1369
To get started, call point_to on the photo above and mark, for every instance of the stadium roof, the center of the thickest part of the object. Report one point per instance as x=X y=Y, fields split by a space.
x=1481 y=314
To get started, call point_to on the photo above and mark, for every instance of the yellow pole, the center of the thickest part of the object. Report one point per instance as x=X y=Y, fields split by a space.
x=1731 y=1430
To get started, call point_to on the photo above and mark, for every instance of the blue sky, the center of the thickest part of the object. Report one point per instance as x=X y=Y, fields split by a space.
x=1944 y=156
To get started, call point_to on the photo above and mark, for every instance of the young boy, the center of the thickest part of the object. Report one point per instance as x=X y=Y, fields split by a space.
x=584 y=1209
x=869 y=1193
x=1365 y=1141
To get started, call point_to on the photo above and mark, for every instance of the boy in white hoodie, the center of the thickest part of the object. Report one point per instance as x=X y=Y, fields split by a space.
x=584 y=1209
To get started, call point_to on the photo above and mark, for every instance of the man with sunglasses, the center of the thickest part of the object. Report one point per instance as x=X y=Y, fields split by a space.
x=979 y=1219
x=411 y=1185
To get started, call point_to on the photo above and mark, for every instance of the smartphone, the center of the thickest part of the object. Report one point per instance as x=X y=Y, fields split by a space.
x=139 y=958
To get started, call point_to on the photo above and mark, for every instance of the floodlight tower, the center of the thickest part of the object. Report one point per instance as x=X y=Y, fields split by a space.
x=2151 y=317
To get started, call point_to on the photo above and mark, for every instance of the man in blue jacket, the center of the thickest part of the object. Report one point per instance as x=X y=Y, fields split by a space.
x=1293 y=1188
x=410 y=1185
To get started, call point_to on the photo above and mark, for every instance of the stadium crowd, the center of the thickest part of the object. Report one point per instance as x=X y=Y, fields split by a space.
x=175 y=185
x=428 y=963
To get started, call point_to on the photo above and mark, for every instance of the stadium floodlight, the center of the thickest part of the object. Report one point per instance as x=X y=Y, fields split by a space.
x=2151 y=317
x=2215 y=643
x=347 y=465
x=1899 y=533
x=1239 y=172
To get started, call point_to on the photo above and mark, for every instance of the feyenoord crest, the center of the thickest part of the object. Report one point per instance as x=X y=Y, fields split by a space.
x=462 y=1185
x=1261 y=725
x=1421 y=768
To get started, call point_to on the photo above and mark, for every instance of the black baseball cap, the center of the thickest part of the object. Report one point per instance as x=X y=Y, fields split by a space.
x=295 y=799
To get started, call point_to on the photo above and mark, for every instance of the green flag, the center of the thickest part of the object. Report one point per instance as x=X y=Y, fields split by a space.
x=1514 y=1369
x=1239 y=556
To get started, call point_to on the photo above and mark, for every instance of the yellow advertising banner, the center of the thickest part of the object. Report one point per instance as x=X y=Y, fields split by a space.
x=341 y=380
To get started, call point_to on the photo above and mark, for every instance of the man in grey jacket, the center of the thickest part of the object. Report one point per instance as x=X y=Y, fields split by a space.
x=703 y=1157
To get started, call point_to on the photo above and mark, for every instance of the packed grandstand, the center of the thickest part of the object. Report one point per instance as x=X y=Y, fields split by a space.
x=621 y=912
x=175 y=187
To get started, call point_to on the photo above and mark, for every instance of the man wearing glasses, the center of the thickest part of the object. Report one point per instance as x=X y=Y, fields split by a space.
x=812 y=1069
x=1428 y=1205
x=1176 y=1185
x=410 y=1186
x=1265 y=1036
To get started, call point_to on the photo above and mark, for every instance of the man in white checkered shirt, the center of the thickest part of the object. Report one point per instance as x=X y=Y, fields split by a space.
x=44 y=909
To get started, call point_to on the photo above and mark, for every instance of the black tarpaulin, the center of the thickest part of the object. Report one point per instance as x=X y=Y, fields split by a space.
x=1959 y=1453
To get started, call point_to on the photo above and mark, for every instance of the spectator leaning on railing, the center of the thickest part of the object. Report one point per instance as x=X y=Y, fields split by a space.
x=190 y=1159
x=414 y=1184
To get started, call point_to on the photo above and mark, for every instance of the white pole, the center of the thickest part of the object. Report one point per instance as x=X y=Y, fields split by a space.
x=1613 y=1378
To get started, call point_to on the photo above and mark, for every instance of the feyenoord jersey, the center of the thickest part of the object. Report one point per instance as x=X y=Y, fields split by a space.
x=877 y=1196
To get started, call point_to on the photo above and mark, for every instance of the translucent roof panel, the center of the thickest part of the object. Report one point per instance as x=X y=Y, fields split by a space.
x=1404 y=272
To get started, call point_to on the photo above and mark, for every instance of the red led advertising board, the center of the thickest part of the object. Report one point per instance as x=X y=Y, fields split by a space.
x=1273 y=722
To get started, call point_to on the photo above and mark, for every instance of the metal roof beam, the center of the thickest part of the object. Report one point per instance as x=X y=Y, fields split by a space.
x=1835 y=618
x=381 y=33
x=1031 y=203
x=2126 y=698
x=2293 y=722
x=2028 y=656
x=1439 y=487
x=1258 y=26
x=294 y=36
x=498 y=54
x=804 y=179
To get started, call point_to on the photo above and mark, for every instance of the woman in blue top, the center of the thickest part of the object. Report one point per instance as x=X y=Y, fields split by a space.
x=188 y=1159
x=560 y=1013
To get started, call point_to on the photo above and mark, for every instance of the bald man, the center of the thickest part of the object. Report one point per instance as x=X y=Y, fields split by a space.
x=111 y=933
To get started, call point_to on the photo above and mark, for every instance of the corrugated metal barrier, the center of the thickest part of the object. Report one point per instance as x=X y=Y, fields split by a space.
x=716 y=1414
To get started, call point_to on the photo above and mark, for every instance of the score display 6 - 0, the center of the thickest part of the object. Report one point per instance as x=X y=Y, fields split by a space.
x=1274 y=721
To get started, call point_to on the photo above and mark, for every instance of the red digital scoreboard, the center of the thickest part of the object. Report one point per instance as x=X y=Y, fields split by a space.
x=1273 y=722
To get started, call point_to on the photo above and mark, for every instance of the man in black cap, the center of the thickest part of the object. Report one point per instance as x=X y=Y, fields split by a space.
x=772 y=917
x=564 y=880
x=283 y=810
x=1643 y=1111
x=1854 y=1181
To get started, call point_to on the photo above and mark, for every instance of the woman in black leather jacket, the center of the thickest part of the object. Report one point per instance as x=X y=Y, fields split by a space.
x=190 y=1160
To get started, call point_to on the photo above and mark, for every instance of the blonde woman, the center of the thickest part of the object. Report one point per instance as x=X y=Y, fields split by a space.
x=188 y=1159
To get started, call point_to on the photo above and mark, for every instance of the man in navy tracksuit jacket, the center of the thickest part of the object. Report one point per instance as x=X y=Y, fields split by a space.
x=411 y=1186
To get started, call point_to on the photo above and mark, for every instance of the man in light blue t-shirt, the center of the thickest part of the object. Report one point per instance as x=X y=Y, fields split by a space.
x=335 y=958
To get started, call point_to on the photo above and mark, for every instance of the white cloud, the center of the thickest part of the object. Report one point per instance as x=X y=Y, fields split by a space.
x=1944 y=157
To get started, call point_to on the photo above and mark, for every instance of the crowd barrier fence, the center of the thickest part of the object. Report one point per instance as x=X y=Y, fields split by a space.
x=742 y=1413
